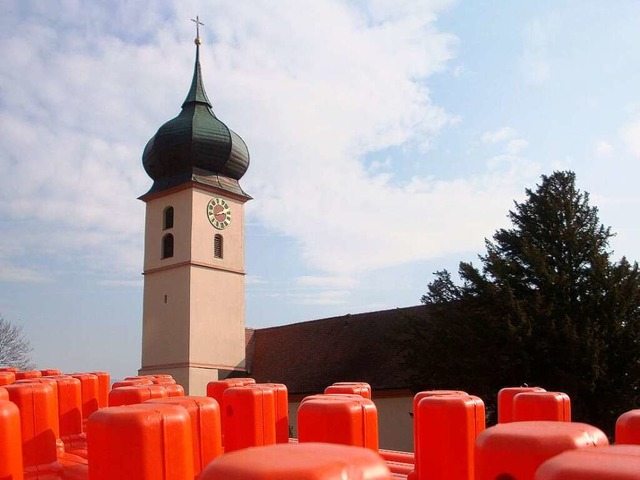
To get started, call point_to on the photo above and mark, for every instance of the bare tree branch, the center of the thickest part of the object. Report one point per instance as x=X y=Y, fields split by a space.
x=15 y=350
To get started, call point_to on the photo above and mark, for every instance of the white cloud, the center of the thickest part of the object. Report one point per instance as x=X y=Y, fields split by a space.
x=516 y=146
x=312 y=88
x=603 y=149
x=631 y=136
x=498 y=136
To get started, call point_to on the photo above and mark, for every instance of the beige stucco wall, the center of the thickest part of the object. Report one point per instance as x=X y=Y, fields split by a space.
x=395 y=425
x=193 y=312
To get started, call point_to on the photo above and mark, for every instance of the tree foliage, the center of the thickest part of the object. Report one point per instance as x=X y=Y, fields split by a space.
x=548 y=307
x=15 y=350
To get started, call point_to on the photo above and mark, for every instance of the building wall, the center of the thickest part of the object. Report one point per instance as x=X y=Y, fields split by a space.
x=193 y=314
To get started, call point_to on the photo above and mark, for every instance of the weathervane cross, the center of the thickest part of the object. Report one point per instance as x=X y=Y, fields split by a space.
x=198 y=23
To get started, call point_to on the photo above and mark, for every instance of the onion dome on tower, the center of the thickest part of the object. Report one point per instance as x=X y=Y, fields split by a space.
x=196 y=146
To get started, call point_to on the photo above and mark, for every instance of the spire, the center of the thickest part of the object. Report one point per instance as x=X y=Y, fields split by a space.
x=197 y=93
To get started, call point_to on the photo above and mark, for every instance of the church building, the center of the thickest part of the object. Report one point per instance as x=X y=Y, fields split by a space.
x=194 y=307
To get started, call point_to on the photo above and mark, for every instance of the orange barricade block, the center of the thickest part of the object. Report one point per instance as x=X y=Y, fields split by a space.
x=38 y=407
x=131 y=383
x=249 y=417
x=136 y=394
x=164 y=381
x=416 y=419
x=449 y=425
x=517 y=449
x=318 y=461
x=505 y=401
x=28 y=374
x=104 y=382
x=9 y=369
x=10 y=441
x=282 y=410
x=7 y=378
x=619 y=462
x=173 y=389
x=344 y=419
x=143 y=442
x=206 y=435
x=216 y=390
x=551 y=406
x=50 y=372
x=398 y=457
x=4 y=395
x=90 y=393
x=628 y=428
x=49 y=381
x=356 y=388
x=69 y=406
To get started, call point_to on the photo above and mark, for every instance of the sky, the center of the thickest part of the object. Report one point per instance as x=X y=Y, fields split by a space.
x=388 y=139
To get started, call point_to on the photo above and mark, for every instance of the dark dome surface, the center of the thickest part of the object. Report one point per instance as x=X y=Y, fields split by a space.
x=195 y=140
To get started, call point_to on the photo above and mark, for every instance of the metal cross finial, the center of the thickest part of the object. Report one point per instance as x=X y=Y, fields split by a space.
x=198 y=23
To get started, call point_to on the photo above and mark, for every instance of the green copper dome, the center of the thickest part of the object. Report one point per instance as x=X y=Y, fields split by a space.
x=194 y=142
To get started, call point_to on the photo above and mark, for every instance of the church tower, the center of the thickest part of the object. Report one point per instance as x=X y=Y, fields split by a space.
x=193 y=312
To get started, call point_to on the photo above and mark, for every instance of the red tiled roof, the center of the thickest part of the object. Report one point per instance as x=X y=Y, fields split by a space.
x=309 y=356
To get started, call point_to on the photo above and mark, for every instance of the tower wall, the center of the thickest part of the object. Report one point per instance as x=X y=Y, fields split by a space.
x=193 y=316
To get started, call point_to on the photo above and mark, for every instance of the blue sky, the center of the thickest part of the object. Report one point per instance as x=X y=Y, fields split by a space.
x=388 y=139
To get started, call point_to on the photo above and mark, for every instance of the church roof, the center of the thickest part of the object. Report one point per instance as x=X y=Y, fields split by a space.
x=309 y=356
x=195 y=142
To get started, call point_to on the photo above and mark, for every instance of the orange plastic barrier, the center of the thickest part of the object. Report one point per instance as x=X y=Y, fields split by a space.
x=551 y=406
x=49 y=381
x=282 y=410
x=344 y=419
x=11 y=454
x=164 y=381
x=416 y=419
x=104 y=382
x=49 y=372
x=143 y=442
x=28 y=374
x=131 y=383
x=517 y=449
x=70 y=412
x=505 y=401
x=449 y=425
x=136 y=394
x=398 y=457
x=356 y=388
x=9 y=369
x=319 y=461
x=173 y=389
x=4 y=395
x=7 y=378
x=619 y=462
x=206 y=435
x=38 y=426
x=249 y=417
x=90 y=393
x=216 y=390
x=628 y=428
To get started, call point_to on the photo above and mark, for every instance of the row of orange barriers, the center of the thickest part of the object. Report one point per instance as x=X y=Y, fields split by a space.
x=79 y=426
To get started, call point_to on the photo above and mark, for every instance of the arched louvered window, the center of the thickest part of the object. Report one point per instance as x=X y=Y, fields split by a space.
x=217 y=246
x=167 y=218
x=167 y=246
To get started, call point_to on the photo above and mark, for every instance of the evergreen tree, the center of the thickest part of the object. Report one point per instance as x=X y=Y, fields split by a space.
x=549 y=307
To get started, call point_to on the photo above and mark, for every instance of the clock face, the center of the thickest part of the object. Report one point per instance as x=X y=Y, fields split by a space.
x=218 y=213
